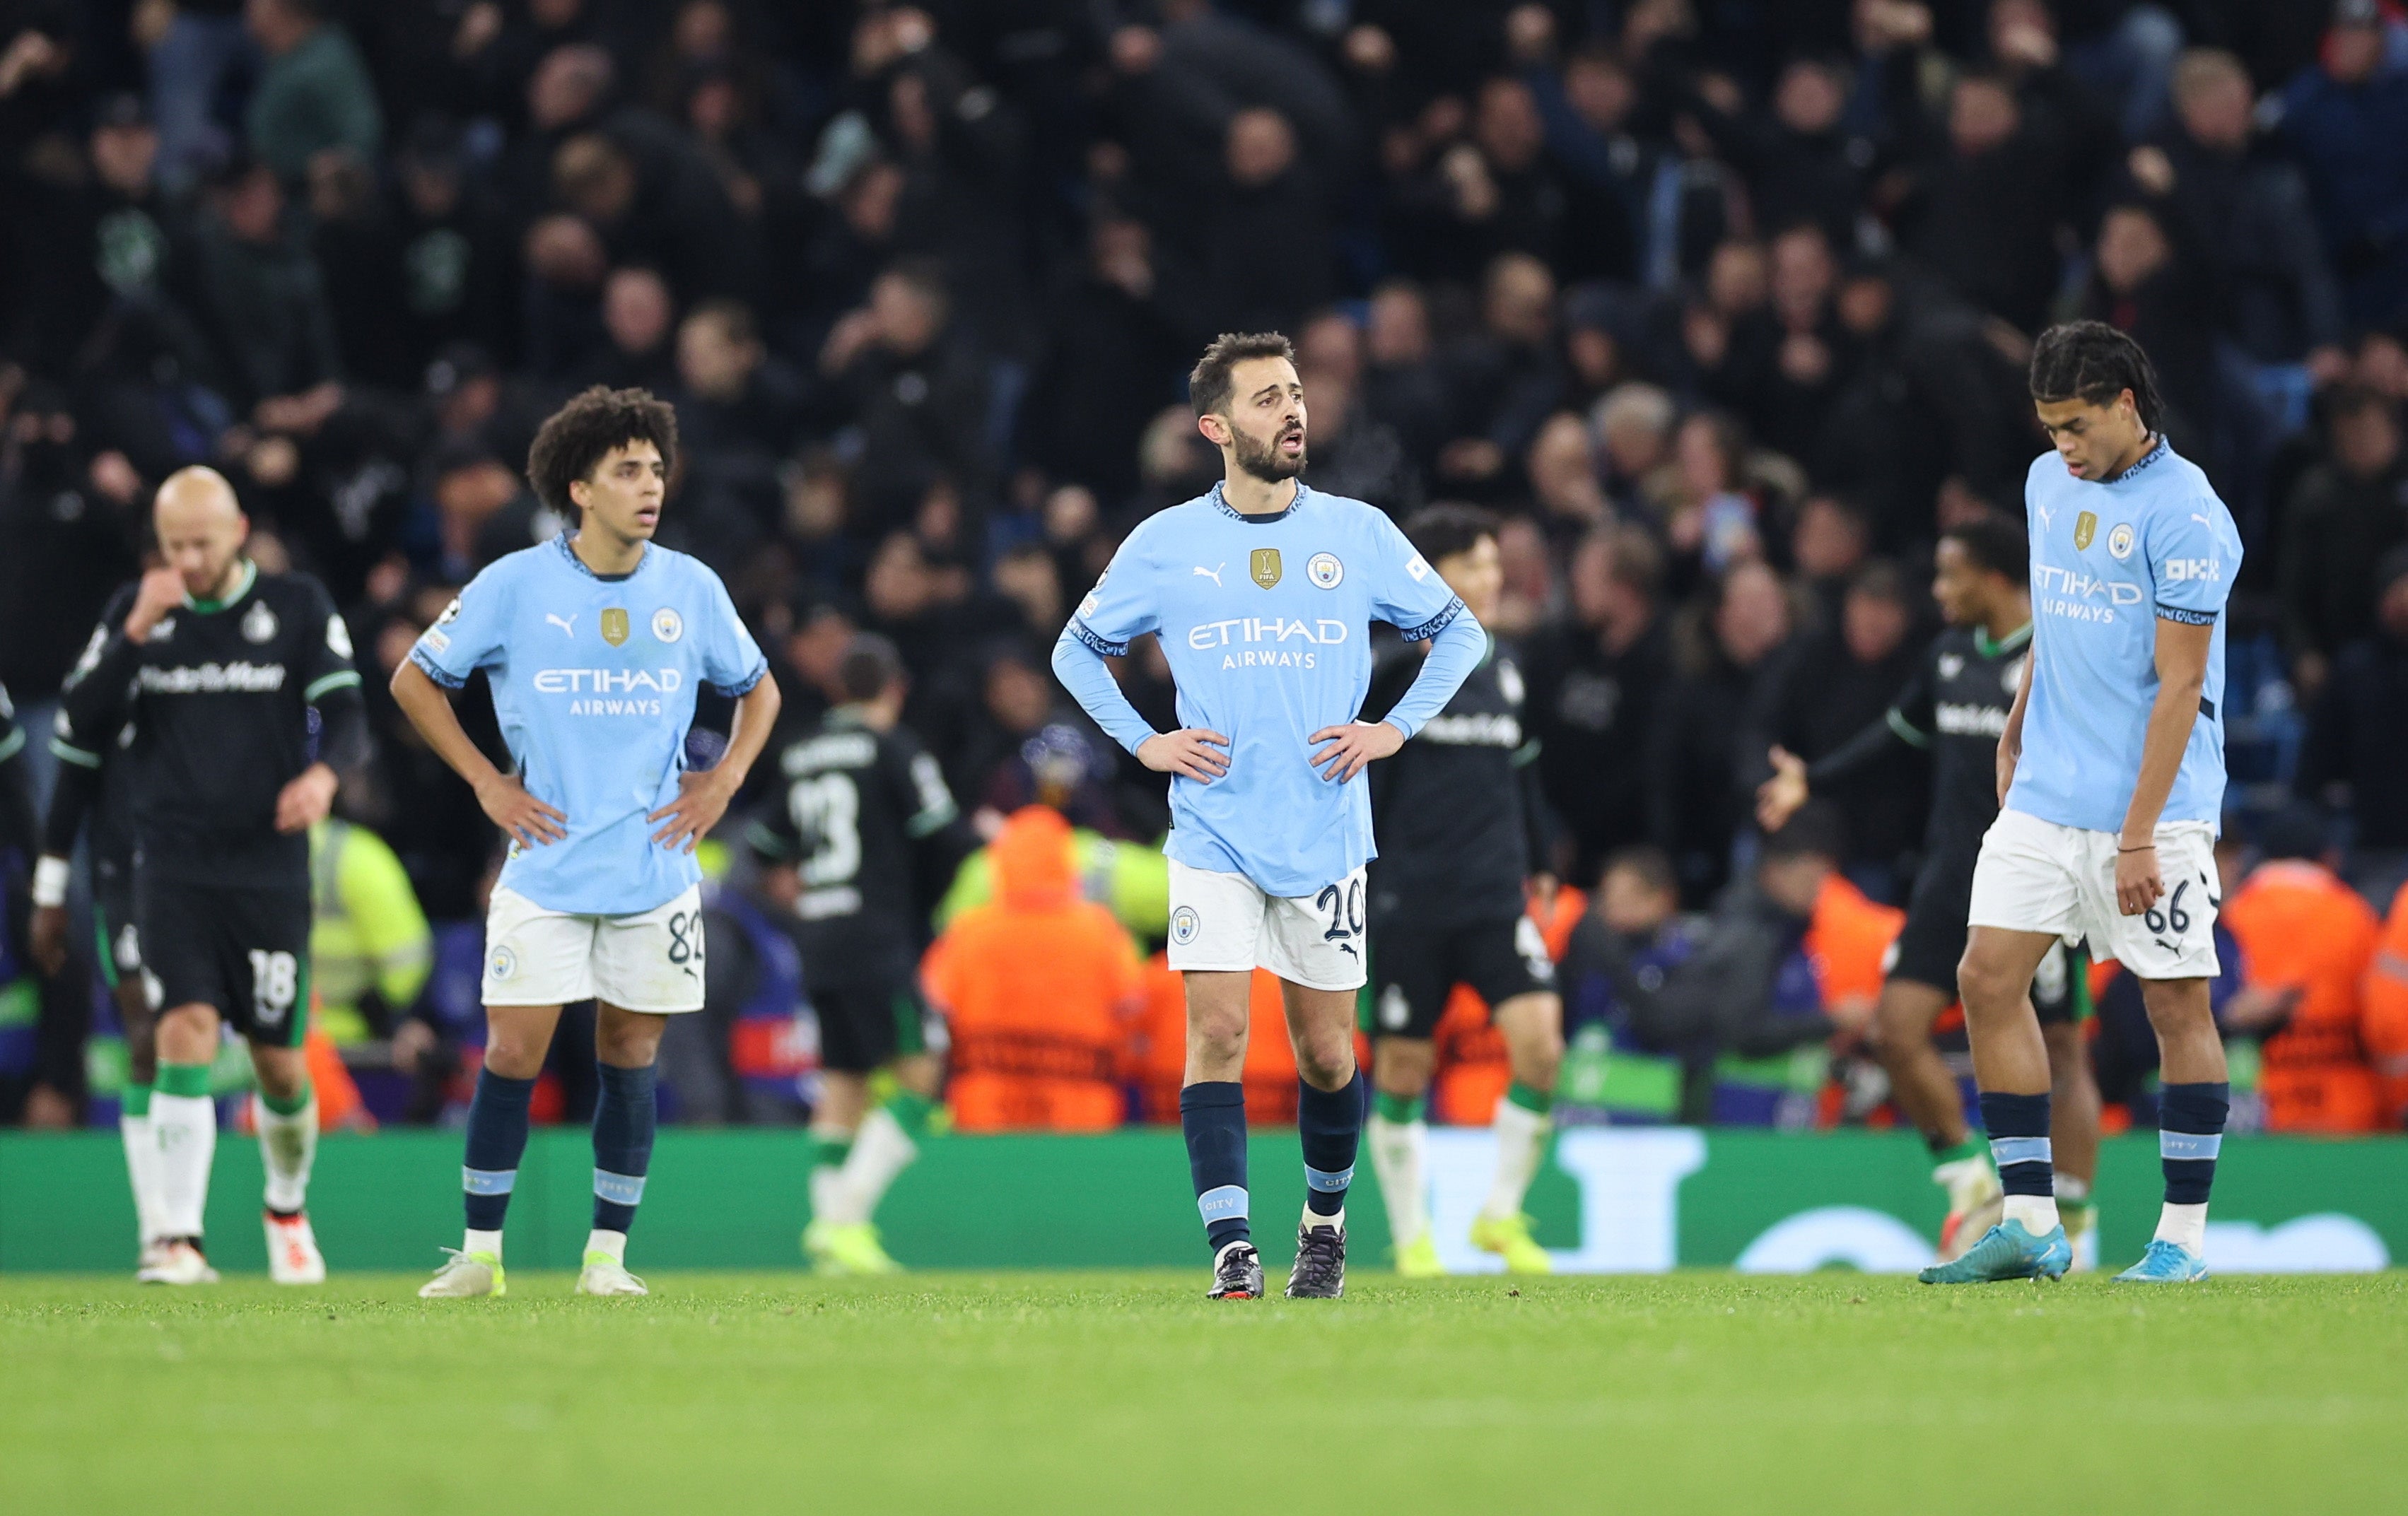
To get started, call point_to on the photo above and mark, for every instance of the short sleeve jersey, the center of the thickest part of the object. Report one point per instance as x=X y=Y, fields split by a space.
x=593 y=684
x=1266 y=624
x=2108 y=561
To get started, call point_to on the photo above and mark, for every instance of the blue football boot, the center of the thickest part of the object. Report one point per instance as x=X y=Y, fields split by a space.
x=2006 y=1252
x=2165 y=1262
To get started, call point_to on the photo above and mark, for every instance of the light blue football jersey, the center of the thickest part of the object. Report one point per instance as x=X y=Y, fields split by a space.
x=1266 y=623
x=594 y=681
x=2108 y=561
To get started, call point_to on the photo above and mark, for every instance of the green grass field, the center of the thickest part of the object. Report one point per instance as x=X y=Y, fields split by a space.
x=1126 y=1393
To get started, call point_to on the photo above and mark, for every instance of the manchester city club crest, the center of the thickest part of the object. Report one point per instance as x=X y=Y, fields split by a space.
x=614 y=626
x=2086 y=527
x=2119 y=542
x=1183 y=925
x=501 y=963
x=1265 y=567
x=259 y=623
x=667 y=625
x=1324 y=570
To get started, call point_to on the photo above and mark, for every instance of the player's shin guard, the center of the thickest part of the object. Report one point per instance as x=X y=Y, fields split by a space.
x=288 y=1145
x=141 y=1159
x=2190 y=1131
x=2018 y=1129
x=1399 y=1138
x=497 y=1136
x=1212 y=1118
x=624 y=1115
x=185 y=1121
x=1524 y=1119
x=1330 y=1124
x=887 y=1144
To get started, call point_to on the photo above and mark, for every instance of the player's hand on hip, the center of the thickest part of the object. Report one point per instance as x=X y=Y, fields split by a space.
x=1196 y=752
x=703 y=798
x=49 y=939
x=305 y=799
x=530 y=822
x=2138 y=883
x=162 y=590
x=1778 y=798
x=1351 y=748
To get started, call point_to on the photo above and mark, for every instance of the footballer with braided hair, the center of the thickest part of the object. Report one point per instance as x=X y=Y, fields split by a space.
x=2111 y=783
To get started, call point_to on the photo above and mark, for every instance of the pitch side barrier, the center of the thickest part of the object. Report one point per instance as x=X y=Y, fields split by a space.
x=1610 y=1199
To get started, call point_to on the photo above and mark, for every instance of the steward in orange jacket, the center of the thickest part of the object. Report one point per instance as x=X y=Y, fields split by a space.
x=2304 y=931
x=1037 y=985
x=2386 y=1013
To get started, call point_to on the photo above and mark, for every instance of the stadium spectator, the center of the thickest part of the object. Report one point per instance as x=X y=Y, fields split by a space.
x=2307 y=940
x=1596 y=680
x=2356 y=734
x=1036 y=987
x=2342 y=516
x=2344 y=119
x=1829 y=686
x=2386 y=1015
x=1700 y=757
x=313 y=96
x=1790 y=961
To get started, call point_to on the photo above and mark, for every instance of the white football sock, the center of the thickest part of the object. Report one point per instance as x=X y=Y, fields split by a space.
x=2037 y=1212
x=1397 y=1148
x=829 y=1200
x=187 y=1129
x=288 y=1145
x=142 y=1174
x=2186 y=1225
x=612 y=1243
x=1313 y=1218
x=1521 y=1143
x=880 y=1150
x=476 y=1241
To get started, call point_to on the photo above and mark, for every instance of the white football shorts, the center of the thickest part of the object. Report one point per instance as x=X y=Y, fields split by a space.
x=1227 y=922
x=649 y=962
x=2037 y=875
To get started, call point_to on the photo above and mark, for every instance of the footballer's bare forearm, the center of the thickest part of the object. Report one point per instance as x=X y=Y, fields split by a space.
x=429 y=710
x=2182 y=676
x=756 y=712
x=2013 y=736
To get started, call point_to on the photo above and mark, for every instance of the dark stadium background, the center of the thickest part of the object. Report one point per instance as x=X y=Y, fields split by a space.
x=1722 y=306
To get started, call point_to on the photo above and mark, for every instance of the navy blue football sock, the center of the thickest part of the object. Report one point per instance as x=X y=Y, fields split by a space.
x=2190 y=1130
x=1213 y=1116
x=497 y=1134
x=625 y=1113
x=1330 y=1122
x=2017 y=1125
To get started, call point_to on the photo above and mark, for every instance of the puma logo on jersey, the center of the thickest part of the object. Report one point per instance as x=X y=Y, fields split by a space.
x=1212 y=573
x=567 y=626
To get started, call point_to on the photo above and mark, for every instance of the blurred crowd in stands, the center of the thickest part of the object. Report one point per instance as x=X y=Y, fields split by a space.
x=1723 y=305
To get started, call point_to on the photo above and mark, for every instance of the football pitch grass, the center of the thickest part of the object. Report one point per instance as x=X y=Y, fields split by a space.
x=1128 y=1392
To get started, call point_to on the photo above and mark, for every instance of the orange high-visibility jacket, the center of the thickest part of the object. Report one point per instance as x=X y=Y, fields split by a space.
x=1037 y=985
x=2386 y=1025
x=2300 y=927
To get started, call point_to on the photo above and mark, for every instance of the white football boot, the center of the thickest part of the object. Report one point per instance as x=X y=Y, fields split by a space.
x=605 y=1275
x=293 y=1256
x=180 y=1263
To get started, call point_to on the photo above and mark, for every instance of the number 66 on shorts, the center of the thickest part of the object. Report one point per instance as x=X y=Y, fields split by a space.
x=2037 y=875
